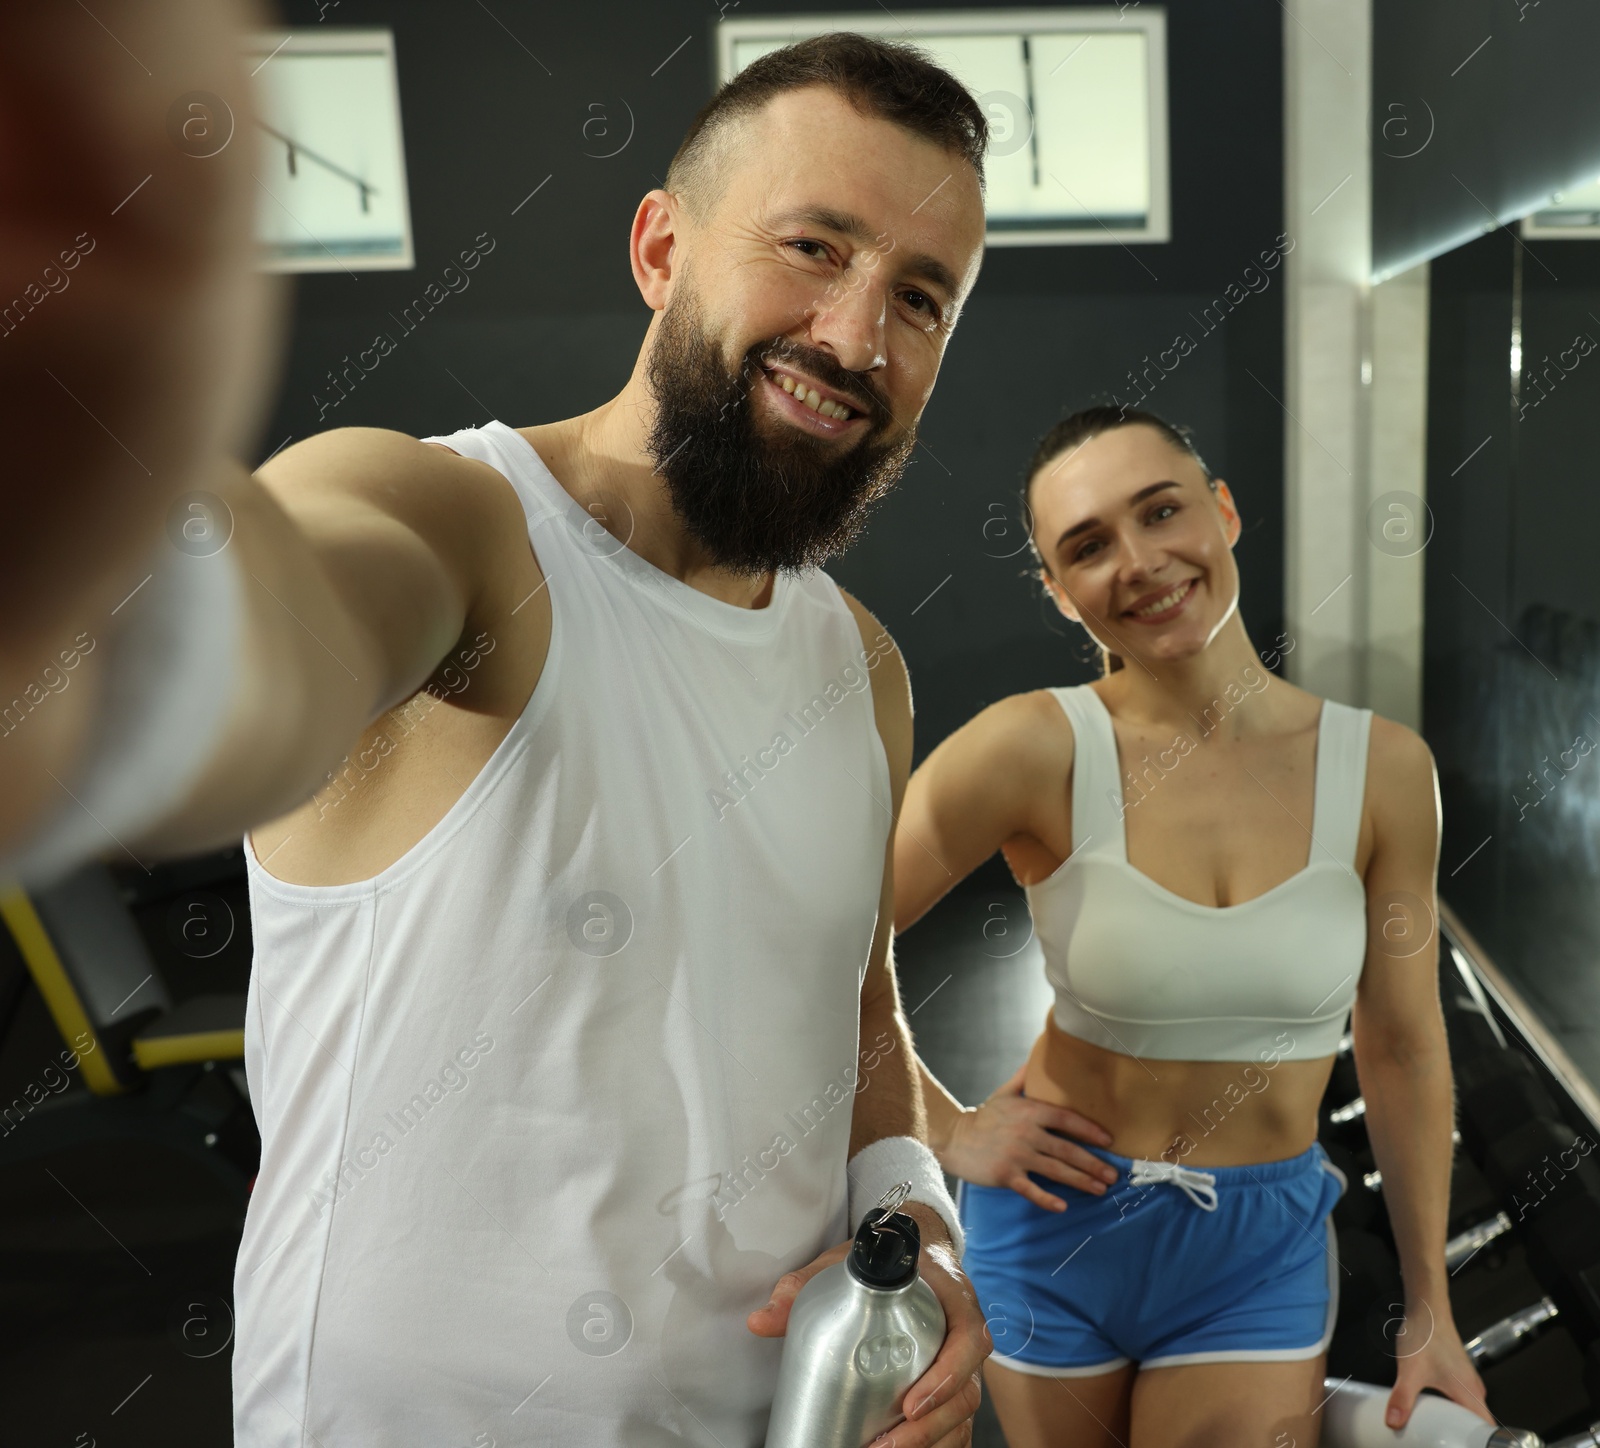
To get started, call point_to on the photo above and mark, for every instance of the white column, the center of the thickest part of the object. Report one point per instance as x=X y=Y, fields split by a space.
x=1397 y=519
x=1355 y=399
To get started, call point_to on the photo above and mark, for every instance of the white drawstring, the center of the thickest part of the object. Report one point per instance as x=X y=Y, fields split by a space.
x=1199 y=1185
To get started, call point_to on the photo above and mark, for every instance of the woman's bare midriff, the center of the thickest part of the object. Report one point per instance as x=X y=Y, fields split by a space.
x=1195 y=1113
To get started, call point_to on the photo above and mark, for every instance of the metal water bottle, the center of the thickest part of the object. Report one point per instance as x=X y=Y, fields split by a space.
x=860 y=1333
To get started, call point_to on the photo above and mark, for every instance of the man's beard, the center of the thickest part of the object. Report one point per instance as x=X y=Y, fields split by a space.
x=758 y=503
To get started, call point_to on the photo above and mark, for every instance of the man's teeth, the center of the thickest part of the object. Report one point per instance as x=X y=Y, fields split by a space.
x=1161 y=604
x=812 y=398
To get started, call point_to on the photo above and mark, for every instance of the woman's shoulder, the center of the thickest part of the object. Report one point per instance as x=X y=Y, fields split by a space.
x=1038 y=712
x=1396 y=753
x=1400 y=765
x=1019 y=731
x=1393 y=749
x=1401 y=804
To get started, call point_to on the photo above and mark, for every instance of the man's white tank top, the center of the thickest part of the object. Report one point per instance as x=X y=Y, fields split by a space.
x=550 y=1104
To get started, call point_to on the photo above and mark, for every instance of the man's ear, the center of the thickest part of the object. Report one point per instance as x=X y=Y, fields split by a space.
x=652 y=247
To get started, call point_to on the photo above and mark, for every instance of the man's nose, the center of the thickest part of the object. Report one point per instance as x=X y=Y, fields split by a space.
x=852 y=321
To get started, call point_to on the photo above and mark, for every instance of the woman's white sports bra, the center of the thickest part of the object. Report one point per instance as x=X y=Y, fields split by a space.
x=1140 y=970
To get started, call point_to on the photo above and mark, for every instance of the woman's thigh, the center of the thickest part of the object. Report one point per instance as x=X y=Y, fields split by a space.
x=1046 y=1412
x=1229 y=1405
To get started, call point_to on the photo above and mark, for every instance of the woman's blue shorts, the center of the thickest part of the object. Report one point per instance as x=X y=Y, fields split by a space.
x=1147 y=1273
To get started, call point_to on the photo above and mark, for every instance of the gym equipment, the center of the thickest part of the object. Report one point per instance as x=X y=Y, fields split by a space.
x=1474 y=1013
x=1466 y=1244
x=1524 y=1225
x=1352 y=1417
x=1353 y=1111
x=1354 y=1209
x=1550 y=1176
x=1499 y=1093
x=1500 y=1338
x=1472 y=1199
x=150 y=1066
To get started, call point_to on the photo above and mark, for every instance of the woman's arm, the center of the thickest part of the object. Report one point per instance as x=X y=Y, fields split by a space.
x=1402 y=1057
x=1403 y=1062
x=1005 y=1137
x=978 y=789
x=986 y=784
x=1410 y=1113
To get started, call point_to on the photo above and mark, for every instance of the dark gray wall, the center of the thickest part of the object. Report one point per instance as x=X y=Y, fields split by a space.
x=552 y=321
x=1512 y=610
x=1480 y=110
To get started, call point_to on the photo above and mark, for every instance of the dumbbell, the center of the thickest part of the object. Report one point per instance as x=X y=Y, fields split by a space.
x=1352 y=1417
x=1467 y=1244
x=1350 y=1111
x=1374 y=1286
x=1560 y=1225
x=1502 y=1338
x=1588 y=1438
x=1499 y=1092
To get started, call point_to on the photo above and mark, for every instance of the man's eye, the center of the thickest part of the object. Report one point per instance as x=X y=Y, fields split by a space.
x=806 y=241
x=932 y=307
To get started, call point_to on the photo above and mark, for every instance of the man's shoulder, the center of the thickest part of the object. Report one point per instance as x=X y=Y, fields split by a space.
x=891 y=688
x=877 y=645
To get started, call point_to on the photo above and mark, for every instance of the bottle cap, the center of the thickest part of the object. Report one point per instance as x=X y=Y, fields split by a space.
x=886 y=1249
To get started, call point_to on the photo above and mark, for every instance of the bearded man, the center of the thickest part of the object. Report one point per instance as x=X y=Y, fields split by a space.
x=573 y=1033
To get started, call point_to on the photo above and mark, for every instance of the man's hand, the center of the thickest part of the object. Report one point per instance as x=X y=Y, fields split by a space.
x=148 y=345
x=773 y=1319
x=940 y=1404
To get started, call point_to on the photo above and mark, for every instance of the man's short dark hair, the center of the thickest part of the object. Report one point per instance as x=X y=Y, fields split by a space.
x=885 y=80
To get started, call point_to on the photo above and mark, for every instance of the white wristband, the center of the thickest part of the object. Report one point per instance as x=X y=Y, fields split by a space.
x=169 y=678
x=891 y=1159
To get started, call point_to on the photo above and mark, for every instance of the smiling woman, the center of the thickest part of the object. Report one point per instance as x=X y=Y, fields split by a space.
x=1064 y=439
x=1176 y=944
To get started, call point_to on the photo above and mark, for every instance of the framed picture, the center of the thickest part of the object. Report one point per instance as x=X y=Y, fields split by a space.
x=1076 y=101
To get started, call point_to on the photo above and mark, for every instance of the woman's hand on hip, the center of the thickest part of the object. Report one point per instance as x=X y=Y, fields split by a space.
x=998 y=1143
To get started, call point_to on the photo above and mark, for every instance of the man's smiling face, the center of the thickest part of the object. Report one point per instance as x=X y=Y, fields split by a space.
x=804 y=328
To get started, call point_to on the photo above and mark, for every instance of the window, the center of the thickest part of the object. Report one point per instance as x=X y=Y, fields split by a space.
x=1076 y=102
x=333 y=170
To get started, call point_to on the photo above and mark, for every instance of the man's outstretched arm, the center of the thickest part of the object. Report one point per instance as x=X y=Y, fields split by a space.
x=356 y=560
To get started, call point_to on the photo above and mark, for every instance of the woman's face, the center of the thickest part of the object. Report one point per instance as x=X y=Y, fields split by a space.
x=1137 y=548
